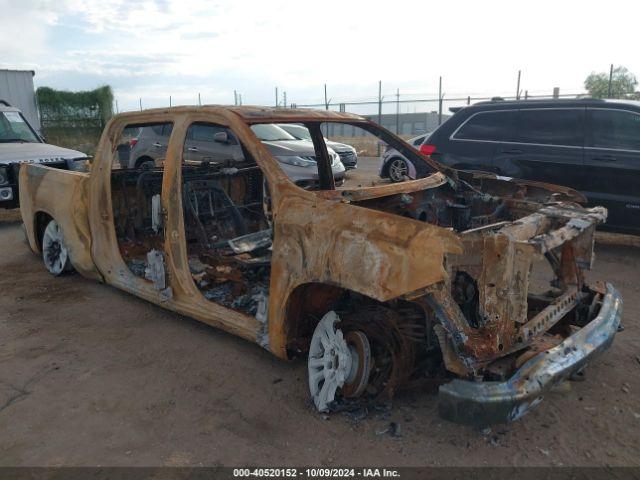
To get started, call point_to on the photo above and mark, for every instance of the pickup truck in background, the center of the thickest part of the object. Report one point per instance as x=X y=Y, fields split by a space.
x=19 y=144
x=379 y=287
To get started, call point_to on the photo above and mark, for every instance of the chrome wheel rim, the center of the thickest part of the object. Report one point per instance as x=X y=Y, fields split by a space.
x=54 y=252
x=329 y=364
x=398 y=170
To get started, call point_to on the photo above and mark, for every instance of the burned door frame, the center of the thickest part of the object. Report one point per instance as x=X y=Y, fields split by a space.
x=104 y=247
x=185 y=297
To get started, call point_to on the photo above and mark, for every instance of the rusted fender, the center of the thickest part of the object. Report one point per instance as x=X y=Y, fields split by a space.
x=62 y=195
x=377 y=254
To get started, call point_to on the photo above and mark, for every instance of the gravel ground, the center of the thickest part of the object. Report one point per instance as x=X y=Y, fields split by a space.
x=93 y=376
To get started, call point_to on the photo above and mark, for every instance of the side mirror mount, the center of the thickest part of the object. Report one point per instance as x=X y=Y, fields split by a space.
x=221 y=137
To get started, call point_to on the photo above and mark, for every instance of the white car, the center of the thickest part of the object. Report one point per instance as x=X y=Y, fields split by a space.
x=395 y=166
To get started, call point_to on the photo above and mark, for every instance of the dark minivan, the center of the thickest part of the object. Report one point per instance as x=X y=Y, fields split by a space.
x=590 y=145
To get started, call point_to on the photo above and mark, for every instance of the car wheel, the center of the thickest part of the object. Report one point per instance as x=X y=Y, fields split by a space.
x=148 y=165
x=337 y=362
x=54 y=251
x=398 y=170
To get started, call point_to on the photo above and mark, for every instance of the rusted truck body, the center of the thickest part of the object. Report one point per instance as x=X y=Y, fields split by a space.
x=382 y=286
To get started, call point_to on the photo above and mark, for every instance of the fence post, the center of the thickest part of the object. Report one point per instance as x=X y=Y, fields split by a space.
x=169 y=101
x=140 y=103
x=440 y=102
x=556 y=92
x=326 y=102
x=398 y=111
x=379 y=108
x=276 y=97
x=284 y=99
x=235 y=97
x=199 y=100
x=518 y=87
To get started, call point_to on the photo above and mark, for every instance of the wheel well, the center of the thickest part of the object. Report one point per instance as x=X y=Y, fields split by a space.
x=144 y=158
x=41 y=221
x=385 y=167
x=400 y=332
x=385 y=171
x=308 y=303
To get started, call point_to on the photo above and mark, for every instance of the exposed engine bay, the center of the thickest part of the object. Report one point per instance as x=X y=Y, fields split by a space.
x=485 y=321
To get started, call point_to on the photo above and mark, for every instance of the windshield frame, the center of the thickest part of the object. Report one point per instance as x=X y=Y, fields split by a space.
x=36 y=136
x=298 y=126
x=283 y=138
x=435 y=173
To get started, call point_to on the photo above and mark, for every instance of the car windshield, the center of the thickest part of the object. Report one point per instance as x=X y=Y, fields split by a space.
x=271 y=133
x=14 y=128
x=298 y=131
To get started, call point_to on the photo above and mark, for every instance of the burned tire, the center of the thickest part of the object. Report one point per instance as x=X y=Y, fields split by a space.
x=398 y=169
x=55 y=254
x=337 y=362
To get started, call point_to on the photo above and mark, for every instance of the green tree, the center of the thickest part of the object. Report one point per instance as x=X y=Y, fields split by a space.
x=623 y=84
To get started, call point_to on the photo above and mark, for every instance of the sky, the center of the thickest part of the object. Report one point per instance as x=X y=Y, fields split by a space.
x=149 y=50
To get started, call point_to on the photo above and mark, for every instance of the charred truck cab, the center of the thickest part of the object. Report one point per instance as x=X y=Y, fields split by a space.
x=379 y=287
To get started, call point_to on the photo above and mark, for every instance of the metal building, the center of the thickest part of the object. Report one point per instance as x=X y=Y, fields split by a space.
x=16 y=87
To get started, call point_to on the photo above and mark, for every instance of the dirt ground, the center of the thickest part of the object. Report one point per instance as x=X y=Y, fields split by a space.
x=93 y=376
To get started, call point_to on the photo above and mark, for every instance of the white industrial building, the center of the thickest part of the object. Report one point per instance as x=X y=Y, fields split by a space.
x=16 y=88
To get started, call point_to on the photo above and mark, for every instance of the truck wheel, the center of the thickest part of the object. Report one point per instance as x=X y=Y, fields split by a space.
x=398 y=170
x=54 y=252
x=337 y=361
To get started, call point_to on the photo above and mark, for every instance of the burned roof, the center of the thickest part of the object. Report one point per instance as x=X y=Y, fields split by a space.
x=256 y=114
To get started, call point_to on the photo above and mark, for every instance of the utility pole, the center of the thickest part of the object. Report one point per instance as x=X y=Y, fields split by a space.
x=276 y=97
x=169 y=101
x=235 y=97
x=284 y=99
x=199 y=99
x=140 y=103
x=518 y=87
x=117 y=111
x=440 y=102
x=610 y=80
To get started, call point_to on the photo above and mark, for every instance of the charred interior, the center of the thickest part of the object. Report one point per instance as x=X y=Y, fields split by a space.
x=227 y=234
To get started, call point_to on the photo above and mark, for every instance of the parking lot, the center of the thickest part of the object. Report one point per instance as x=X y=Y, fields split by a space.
x=90 y=375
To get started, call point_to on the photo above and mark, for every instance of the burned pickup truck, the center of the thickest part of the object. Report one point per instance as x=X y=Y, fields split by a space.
x=380 y=286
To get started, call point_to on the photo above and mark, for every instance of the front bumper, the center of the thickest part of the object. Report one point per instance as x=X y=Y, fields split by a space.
x=486 y=403
x=349 y=159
